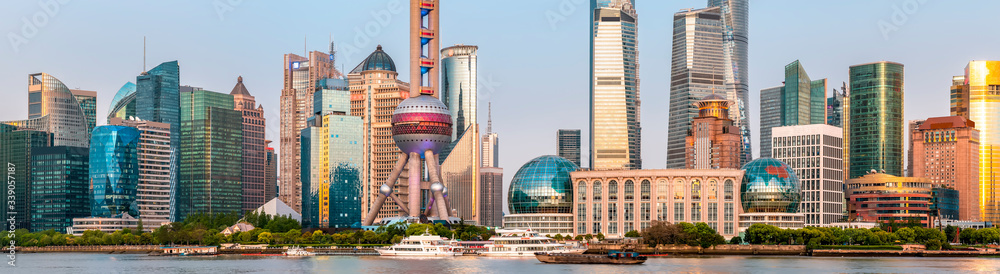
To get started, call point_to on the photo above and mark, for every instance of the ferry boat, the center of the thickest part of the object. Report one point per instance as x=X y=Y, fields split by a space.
x=424 y=245
x=613 y=257
x=524 y=243
x=298 y=252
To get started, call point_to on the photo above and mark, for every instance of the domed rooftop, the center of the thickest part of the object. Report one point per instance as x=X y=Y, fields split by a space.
x=378 y=60
x=542 y=186
x=770 y=186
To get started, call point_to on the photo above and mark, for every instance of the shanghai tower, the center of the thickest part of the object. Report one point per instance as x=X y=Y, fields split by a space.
x=735 y=21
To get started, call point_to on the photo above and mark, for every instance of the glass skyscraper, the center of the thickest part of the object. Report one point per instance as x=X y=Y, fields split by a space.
x=614 y=86
x=157 y=99
x=154 y=170
x=60 y=185
x=211 y=154
x=16 y=146
x=331 y=149
x=834 y=108
x=53 y=108
x=695 y=33
x=800 y=101
x=88 y=102
x=458 y=90
x=114 y=171
x=735 y=15
x=982 y=85
x=874 y=133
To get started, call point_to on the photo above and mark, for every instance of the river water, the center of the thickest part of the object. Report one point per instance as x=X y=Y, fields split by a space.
x=45 y=263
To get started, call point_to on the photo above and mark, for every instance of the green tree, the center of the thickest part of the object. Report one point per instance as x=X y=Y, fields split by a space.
x=632 y=234
x=264 y=237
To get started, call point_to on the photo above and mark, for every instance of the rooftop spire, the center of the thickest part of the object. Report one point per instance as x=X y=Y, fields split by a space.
x=489 y=117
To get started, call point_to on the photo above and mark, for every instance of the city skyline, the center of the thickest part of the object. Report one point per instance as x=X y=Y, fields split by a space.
x=928 y=67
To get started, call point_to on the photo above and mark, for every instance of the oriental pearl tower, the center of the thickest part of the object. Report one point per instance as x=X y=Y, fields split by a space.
x=421 y=124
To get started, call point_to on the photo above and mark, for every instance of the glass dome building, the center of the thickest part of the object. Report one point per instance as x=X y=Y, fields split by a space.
x=542 y=185
x=770 y=186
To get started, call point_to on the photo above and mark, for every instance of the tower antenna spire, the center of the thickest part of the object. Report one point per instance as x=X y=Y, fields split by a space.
x=489 y=117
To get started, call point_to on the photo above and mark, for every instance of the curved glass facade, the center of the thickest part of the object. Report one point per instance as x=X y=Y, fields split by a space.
x=114 y=171
x=875 y=129
x=123 y=105
x=770 y=186
x=542 y=186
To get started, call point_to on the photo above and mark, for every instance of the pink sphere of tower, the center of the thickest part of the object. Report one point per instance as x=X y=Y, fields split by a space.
x=421 y=123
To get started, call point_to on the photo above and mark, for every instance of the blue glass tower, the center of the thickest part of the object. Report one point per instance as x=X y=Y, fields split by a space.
x=157 y=99
x=331 y=149
x=114 y=171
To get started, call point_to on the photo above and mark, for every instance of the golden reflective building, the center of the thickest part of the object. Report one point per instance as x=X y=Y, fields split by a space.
x=982 y=82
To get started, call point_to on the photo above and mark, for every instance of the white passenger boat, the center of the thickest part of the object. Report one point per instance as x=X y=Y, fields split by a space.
x=524 y=243
x=425 y=245
x=298 y=252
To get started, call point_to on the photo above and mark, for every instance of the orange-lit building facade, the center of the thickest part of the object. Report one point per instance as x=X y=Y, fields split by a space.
x=946 y=151
x=880 y=197
x=713 y=141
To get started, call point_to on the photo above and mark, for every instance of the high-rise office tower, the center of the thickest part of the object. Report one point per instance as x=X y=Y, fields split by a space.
x=959 y=97
x=982 y=81
x=735 y=37
x=814 y=152
x=614 y=86
x=60 y=185
x=16 y=146
x=491 y=142
x=424 y=45
x=834 y=107
x=53 y=108
x=301 y=75
x=713 y=141
x=253 y=146
x=460 y=160
x=211 y=154
x=154 y=187
x=458 y=89
x=491 y=196
x=114 y=171
x=946 y=151
x=568 y=144
x=332 y=159
x=270 y=172
x=697 y=33
x=123 y=104
x=88 y=102
x=800 y=101
x=157 y=99
x=874 y=132
x=770 y=117
x=375 y=92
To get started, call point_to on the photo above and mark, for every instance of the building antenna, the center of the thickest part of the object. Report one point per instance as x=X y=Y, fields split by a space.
x=489 y=117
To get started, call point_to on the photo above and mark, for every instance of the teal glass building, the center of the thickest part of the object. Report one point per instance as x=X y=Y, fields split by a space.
x=211 y=154
x=123 y=104
x=874 y=133
x=60 y=187
x=332 y=152
x=542 y=185
x=114 y=171
x=157 y=99
x=16 y=146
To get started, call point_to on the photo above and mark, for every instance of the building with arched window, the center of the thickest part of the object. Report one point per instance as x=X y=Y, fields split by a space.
x=614 y=202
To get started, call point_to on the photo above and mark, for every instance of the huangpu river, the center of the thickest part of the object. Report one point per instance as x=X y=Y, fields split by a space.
x=46 y=263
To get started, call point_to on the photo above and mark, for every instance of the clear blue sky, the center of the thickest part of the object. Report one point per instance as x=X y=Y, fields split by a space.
x=533 y=54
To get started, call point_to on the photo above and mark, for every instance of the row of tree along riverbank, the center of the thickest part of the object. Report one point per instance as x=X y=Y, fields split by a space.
x=787 y=250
